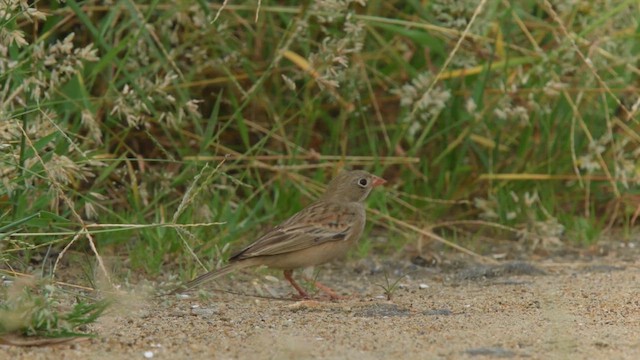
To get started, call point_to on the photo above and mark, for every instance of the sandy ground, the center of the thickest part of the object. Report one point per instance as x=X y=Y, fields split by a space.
x=548 y=309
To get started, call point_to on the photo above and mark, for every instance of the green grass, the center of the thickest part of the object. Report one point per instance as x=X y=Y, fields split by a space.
x=35 y=311
x=389 y=288
x=531 y=125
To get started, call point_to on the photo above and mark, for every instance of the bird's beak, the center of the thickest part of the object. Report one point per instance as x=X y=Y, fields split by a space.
x=377 y=181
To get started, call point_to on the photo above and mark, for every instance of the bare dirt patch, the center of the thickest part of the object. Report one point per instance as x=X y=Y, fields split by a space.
x=527 y=309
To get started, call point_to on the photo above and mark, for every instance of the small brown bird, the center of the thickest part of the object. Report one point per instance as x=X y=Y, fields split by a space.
x=319 y=233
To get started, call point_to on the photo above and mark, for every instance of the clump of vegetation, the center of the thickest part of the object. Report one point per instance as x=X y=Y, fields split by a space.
x=34 y=311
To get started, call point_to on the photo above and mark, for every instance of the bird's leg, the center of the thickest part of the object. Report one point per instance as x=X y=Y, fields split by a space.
x=325 y=289
x=287 y=275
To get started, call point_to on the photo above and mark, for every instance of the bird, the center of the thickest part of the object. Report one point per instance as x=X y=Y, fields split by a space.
x=324 y=230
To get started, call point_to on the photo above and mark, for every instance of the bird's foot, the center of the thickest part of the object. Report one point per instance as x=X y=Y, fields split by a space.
x=327 y=290
x=301 y=296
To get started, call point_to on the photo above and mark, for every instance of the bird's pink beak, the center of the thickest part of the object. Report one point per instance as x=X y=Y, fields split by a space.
x=377 y=181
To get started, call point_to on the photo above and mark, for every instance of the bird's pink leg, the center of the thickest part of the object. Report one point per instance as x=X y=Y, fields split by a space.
x=287 y=275
x=325 y=289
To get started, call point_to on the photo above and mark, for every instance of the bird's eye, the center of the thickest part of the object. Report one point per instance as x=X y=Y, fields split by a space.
x=363 y=182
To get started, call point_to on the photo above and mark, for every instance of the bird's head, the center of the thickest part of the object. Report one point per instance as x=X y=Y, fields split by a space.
x=352 y=186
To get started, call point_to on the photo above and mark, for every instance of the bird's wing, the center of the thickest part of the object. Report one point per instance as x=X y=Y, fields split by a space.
x=319 y=223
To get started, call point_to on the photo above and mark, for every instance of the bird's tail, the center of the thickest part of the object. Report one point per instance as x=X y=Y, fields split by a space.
x=214 y=274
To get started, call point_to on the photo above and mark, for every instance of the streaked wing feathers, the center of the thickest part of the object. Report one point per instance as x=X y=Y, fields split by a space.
x=314 y=225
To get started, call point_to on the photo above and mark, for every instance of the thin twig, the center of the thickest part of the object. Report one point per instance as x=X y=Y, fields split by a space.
x=433 y=236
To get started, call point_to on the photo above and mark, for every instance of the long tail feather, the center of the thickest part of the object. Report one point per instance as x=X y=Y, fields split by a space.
x=210 y=276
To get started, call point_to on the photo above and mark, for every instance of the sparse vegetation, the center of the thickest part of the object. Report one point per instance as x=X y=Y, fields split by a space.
x=160 y=133
x=34 y=311
x=389 y=287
